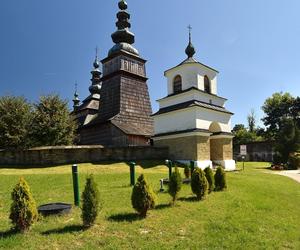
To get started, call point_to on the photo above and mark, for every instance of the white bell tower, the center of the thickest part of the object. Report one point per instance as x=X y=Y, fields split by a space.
x=192 y=120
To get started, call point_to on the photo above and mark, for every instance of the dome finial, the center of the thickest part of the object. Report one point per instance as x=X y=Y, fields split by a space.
x=76 y=100
x=96 y=62
x=190 y=50
x=123 y=5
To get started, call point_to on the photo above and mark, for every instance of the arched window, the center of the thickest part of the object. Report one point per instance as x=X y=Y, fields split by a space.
x=207 y=84
x=177 y=84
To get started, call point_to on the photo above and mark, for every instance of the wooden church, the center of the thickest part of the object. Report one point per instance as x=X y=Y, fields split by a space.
x=117 y=112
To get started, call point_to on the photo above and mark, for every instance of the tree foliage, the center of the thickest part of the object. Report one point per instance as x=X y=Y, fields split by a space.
x=243 y=136
x=277 y=108
x=23 y=211
x=288 y=139
x=199 y=183
x=142 y=198
x=251 y=118
x=15 y=117
x=90 y=202
x=52 y=124
x=175 y=184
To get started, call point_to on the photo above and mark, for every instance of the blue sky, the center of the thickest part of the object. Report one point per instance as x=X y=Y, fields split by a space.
x=45 y=46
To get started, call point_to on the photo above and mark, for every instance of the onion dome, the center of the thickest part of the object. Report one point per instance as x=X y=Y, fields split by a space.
x=190 y=49
x=76 y=100
x=123 y=38
x=96 y=77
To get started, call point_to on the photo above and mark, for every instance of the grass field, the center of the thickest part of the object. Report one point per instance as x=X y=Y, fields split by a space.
x=258 y=211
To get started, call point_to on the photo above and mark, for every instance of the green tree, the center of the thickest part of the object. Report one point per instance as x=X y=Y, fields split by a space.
x=242 y=136
x=251 y=121
x=288 y=139
x=90 y=202
x=23 y=211
x=142 y=198
x=199 y=183
x=15 y=118
x=175 y=184
x=276 y=108
x=52 y=124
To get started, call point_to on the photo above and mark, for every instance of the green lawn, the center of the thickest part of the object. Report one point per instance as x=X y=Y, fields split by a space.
x=259 y=210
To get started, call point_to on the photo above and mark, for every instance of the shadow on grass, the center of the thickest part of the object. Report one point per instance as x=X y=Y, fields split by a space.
x=8 y=234
x=163 y=206
x=189 y=199
x=128 y=217
x=66 y=229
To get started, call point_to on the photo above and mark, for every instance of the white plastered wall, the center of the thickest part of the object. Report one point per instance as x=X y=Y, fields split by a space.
x=191 y=95
x=192 y=75
x=175 y=121
x=191 y=118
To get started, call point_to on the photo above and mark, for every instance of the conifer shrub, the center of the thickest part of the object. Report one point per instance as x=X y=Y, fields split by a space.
x=90 y=202
x=187 y=171
x=199 y=183
x=220 y=179
x=210 y=179
x=23 y=211
x=175 y=184
x=142 y=198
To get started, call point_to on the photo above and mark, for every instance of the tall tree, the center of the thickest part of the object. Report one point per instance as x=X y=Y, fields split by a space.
x=251 y=121
x=15 y=117
x=52 y=124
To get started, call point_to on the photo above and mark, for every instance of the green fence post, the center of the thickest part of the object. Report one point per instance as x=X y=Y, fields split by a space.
x=192 y=165
x=169 y=164
x=132 y=173
x=75 y=185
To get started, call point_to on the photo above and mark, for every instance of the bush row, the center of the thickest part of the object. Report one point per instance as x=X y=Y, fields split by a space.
x=23 y=212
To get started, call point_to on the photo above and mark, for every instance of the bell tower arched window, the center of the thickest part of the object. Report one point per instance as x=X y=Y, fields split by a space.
x=207 y=84
x=177 y=84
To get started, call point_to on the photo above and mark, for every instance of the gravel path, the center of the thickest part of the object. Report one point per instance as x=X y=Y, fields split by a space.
x=294 y=174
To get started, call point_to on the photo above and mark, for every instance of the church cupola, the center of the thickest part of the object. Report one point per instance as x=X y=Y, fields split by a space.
x=123 y=38
x=76 y=100
x=96 y=77
x=190 y=49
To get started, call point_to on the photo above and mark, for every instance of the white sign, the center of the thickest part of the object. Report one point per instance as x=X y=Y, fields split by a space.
x=243 y=149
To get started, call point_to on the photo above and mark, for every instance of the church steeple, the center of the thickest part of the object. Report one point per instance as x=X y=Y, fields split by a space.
x=123 y=38
x=190 y=49
x=96 y=76
x=76 y=100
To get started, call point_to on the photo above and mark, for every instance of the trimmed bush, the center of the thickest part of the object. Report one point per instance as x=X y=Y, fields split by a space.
x=220 y=179
x=187 y=171
x=23 y=211
x=210 y=179
x=175 y=184
x=199 y=183
x=90 y=202
x=142 y=197
x=294 y=161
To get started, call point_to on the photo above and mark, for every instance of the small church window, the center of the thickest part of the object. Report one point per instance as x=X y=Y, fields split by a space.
x=177 y=84
x=207 y=84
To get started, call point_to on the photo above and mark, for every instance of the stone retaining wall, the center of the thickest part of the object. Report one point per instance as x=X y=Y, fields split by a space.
x=80 y=154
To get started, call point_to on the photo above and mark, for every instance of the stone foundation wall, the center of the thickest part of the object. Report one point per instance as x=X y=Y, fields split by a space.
x=221 y=149
x=187 y=148
x=81 y=154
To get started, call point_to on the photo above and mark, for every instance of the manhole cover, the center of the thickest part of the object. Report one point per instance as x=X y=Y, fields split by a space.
x=55 y=209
